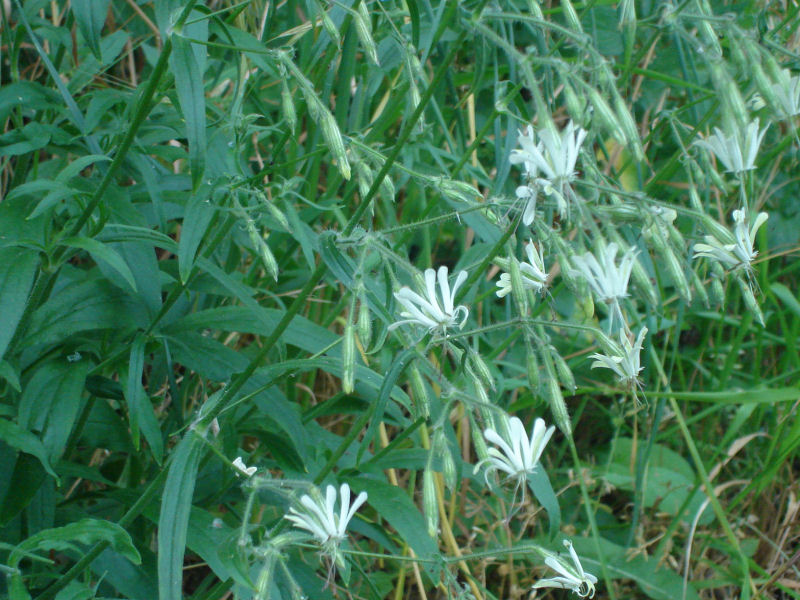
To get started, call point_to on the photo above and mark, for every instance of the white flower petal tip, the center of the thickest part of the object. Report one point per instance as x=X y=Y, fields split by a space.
x=734 y=251
x=623 y=358
x=786 y=90
x=243 y=468
x=434 y=311
x=534 y=274
x=570 y=577
x=554 y=156
x=736 y=151
x=519 y=455
x=319 y=517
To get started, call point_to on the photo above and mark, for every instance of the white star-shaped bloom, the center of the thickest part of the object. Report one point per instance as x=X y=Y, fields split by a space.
x=534 y=275
x=554 y=155
x=737 y=151
x=736 y=250
x=787 y=92
x=433 y=311
x=320 y=518
x=570 y=577
x=519 y=455
x=607 y=280
x=622 y=358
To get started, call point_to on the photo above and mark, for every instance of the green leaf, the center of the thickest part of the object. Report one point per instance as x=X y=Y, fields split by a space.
x=196 y=219
x=191 y=96
x=786 y=296
x=52 y=400
x=173 y=521
x=539 y=484
x=139 y=407
x=102 y=253
x=17 y=270
x=86 y=532
x=24 y=441
x=91 y=16
x=752 y=396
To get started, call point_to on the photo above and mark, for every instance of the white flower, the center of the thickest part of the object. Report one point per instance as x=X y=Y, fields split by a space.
x=320 y=518
x=622 y=358
x=534 y=275
x=737 y=151
x=555 y=156
x=571 y=577
x=519 y=455
x=787 y=92
x=243 y=468
x=736 y=250
x=429 y=311
x=607 y=280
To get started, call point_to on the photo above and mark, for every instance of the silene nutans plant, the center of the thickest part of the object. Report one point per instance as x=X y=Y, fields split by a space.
x=399 y=299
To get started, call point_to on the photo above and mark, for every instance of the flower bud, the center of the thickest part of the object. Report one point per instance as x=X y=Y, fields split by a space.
x=329 y=26
x=606 y=117
x=274 y=211
x=565 y=375
x=363 y=24
x=571 y=16
x=554 y=397
x=699 y=288
x=749 y=299
x=364 y=322
x=430 y=507
x=348 y=358
x=482 y=369
x=420 y=392
x=517 y=287
x=533 y=370
x=481 y=450
x=287 y=106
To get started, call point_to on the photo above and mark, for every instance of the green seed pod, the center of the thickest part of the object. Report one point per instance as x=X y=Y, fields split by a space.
x=364 y=322
x=420 y=392
x=442 y=449
x=276 y=213
x=700 y=288
x=349 y=358
x=517 y=287
x=716 y=292
x=571 y=16
x=565 y=375
x=678 y=276
x=576 y=105
x=554 y=397
x=606 y=117
x=430 y=507
x=482 y=369
x=328 y=25
x=262 y=249
x=533 y=370
x=481 y=450
x=333 y=137
x=287 y=106
x=749 y=299
x=264 y=581
x=363 y=24
x=478 y=385
x=625 y=119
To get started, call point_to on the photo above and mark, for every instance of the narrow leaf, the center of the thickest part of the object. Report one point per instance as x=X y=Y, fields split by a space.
x=91 y=15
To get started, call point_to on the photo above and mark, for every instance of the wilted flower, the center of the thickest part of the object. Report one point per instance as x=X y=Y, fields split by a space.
x=622 y=358
x=554 y=155
x=571 y=577
x=534 y=275
x=737 y=151
x=429 y=311
x=736 y=250
x=519 y=455
x=243 y=468
x=327 y=527
x=607 y=280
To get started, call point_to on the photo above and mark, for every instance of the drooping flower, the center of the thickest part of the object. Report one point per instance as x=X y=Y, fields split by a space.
x=570 y=577
x=735 y=251
x=243 y=468
x=534 y=275
x=434 y=311
x=518 y=455
x=737 y=151
x=554 y=156
x=607 y=280
x=622 y=358
x=320 y=518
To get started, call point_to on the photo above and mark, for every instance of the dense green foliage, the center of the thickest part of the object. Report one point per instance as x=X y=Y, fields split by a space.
x=208 y=213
